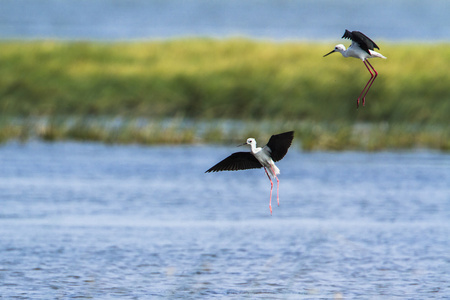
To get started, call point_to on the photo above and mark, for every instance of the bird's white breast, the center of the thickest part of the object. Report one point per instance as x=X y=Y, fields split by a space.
x=356 y=52
x=264 y=158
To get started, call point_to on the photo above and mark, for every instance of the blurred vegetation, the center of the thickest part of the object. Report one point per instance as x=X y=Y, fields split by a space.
x=75 y=90
x=309 y=136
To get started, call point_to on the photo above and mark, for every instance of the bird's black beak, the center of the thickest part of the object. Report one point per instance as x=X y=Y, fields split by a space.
x=241 y=145
x=330 y=52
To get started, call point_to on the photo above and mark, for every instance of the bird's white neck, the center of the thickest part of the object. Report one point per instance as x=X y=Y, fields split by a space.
x=345 y=53
x=253 y=147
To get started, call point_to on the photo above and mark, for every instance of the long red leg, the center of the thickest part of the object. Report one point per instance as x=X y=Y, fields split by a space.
x=278 y=186
x=271 y=187
x=375 y=76
x=371 y=77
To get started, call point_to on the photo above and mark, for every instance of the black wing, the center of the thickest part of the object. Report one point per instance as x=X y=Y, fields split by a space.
x=279 y=144
x=361 y=39
x=237 y=161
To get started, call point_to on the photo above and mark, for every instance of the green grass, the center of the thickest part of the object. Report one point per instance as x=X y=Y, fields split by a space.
x=234 y=79
x=237 y=79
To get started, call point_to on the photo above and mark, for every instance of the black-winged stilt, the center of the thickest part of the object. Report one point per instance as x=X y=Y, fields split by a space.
x=362 y=47
x=264 y=157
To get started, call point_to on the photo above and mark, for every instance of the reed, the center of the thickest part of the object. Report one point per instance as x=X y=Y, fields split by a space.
x=309 y=135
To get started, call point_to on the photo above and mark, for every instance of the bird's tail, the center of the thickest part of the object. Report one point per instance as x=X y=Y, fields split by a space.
x=273 y=168
x=376 y=54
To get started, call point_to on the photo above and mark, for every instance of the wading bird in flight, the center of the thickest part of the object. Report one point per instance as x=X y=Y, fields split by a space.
x=258 y=157
x=362 y=47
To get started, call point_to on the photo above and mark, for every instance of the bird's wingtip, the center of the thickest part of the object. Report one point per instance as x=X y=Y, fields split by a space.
x=347 y=34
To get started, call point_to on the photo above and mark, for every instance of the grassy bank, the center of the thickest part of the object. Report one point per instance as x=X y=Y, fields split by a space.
x=309 y=135
x=237 y=79
x=63 y=90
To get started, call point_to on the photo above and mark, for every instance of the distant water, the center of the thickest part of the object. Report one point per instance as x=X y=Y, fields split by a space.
x=131 y=222
x=399 y=20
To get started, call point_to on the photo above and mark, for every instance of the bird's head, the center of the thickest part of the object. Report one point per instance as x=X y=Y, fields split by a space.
x=250 y=141
x=338 y=48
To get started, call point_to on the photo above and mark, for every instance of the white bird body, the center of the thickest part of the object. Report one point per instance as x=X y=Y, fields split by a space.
x=355 y=51
x=262 y=155
x=259 y=157
x=362 y=47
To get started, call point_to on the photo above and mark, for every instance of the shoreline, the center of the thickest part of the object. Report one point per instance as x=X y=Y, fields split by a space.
x=309 y=136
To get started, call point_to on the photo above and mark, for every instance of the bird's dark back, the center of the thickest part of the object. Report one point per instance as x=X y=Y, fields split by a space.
x=279 y=144
x=361 y=39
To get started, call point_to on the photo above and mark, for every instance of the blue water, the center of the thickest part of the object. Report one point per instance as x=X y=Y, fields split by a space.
x=132 y=222
x=399 y=20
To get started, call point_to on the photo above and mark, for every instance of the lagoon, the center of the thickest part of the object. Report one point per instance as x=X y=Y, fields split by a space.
x=401 y=20
x=88 y=220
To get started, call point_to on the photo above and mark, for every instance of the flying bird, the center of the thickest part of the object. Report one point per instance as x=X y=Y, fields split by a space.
x=258 y=157
x=362 y=47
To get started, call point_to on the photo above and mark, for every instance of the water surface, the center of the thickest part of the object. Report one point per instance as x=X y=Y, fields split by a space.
x=400 y=20
x=131 y=222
